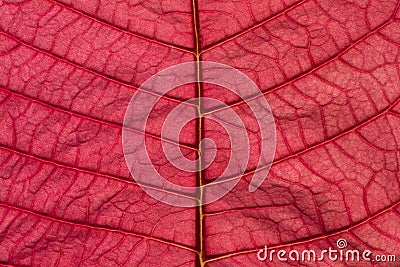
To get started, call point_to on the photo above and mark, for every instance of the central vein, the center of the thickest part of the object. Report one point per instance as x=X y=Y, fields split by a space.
x=200 y=121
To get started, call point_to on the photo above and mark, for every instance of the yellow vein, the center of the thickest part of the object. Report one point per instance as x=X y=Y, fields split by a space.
x=200 y=214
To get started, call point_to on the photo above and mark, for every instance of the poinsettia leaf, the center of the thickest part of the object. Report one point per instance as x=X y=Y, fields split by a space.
x=330 y=71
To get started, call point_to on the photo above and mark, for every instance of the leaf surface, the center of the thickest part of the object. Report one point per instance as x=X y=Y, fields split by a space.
x=330 y=71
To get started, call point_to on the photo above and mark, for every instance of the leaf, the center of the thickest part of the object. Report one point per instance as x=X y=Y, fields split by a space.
x=68 y=68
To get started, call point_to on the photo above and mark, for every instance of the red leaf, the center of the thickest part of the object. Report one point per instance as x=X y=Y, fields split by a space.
x=68 y=68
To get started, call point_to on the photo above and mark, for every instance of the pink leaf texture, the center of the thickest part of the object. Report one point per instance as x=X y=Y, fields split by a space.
x=330 y=71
